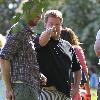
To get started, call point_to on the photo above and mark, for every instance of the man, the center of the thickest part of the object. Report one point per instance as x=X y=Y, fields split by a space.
x=97 y=44
x=56 y=59
x=20 y=70
x=97 y=51
x=69 y=35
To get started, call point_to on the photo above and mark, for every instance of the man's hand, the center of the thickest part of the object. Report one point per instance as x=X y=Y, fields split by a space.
x=52 y=31
x=9 y=94
x=43 y=79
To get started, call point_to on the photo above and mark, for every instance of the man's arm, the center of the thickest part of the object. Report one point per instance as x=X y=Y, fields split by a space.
x=77 y=77
x=5 y=69
x=77 y=80
x=46 y=35
x=97 y=47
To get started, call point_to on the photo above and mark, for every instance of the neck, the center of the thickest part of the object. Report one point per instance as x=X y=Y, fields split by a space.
x=56 y=38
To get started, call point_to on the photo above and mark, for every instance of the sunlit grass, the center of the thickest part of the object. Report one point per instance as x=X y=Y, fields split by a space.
x=93 y=94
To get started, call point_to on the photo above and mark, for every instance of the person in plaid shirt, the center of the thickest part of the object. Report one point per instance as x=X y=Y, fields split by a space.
x=19 y=65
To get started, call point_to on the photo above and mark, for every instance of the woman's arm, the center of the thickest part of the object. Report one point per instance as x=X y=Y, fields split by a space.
x=81 y=57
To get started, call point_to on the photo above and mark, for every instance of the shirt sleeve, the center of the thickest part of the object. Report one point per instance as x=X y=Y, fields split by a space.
x=98 y=35
x=75 y=63
x=36 y=41
x=11 y=47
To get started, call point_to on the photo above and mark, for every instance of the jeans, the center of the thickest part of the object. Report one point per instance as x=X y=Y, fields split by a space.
x=23 y=91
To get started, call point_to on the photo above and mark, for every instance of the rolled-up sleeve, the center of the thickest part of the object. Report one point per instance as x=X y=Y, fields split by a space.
x=36 y=41
x=10 y=48
x=75 y=63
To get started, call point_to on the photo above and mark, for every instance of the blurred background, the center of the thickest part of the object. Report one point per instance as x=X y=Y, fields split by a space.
x=83 y=16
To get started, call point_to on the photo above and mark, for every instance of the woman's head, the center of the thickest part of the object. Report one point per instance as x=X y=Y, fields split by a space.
x=69 y=35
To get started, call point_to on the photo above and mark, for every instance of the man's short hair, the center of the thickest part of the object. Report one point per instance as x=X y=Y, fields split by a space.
x=53 y=13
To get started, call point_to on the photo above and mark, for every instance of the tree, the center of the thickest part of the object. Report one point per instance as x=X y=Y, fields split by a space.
x=7 y=10
x=9 y=13
x=80 y=15
x=83 y=17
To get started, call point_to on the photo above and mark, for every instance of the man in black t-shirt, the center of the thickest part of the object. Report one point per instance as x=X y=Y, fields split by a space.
x=56 y=58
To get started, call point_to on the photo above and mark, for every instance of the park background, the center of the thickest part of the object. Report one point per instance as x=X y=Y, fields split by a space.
x=83 y=16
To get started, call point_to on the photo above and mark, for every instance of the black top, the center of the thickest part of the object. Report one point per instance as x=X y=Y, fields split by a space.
x=56 y=61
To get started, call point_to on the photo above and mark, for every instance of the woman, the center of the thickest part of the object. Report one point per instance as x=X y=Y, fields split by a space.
x=71 y=37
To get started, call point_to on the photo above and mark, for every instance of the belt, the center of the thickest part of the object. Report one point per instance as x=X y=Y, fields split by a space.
x=53 y=88
x=49 y=87
x=18 y=82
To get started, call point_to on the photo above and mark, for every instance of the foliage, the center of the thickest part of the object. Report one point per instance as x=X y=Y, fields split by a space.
x=83 y=17
x=7 y=11
x=80 y=15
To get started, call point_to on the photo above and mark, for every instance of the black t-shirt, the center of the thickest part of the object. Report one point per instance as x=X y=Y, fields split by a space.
x=56 y=60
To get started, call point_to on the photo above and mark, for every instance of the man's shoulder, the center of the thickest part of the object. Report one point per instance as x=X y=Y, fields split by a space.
x=98 y=35
x=65 y=42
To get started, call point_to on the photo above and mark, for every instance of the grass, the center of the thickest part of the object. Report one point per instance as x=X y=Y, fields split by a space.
x=93 y=94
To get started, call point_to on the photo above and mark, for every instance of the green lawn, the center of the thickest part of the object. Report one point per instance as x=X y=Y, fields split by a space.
x=93 y=94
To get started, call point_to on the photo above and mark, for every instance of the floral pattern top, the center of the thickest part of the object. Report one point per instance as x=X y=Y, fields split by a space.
x=19 y=50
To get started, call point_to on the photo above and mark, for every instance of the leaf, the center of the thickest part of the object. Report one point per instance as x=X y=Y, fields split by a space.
x=1 y=1
x=16 y=18
x=33 y=8
x=18 y=27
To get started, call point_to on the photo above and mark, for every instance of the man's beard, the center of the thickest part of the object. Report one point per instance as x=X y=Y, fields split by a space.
x=56 y=36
